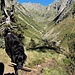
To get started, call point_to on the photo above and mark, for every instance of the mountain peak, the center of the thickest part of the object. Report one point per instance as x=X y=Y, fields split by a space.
x=34 y=6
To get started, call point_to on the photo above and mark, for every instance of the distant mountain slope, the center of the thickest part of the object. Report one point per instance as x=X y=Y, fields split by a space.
x=58 y=19
x=37 y=21
x=35 y=10
x=64 y=28
x=25 y=23
x=46 y=13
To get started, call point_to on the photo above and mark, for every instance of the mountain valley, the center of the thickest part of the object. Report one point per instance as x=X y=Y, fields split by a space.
x=47 y=33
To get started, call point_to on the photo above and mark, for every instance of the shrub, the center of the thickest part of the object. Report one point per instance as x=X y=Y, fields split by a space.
x=2 y=43
x=71 y=56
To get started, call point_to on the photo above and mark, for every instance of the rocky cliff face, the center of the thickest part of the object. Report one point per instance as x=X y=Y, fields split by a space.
x=36 y=10
x=63 y=7
x=48 y=13
x=34 y=6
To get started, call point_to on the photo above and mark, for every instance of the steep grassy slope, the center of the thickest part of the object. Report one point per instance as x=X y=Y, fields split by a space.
x=61 y=31
x=25 y=16
x=25 y=23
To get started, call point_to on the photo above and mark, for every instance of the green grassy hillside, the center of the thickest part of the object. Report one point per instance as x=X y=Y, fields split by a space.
x=36 y=35
x=61 y=31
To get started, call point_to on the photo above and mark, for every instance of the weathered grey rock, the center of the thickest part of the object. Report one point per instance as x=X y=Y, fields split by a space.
x=7 y=12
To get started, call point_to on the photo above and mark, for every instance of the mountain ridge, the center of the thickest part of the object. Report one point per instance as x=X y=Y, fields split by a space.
x=42 y=13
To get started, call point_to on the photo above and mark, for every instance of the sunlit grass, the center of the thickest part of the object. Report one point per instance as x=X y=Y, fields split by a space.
x=37 y=58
